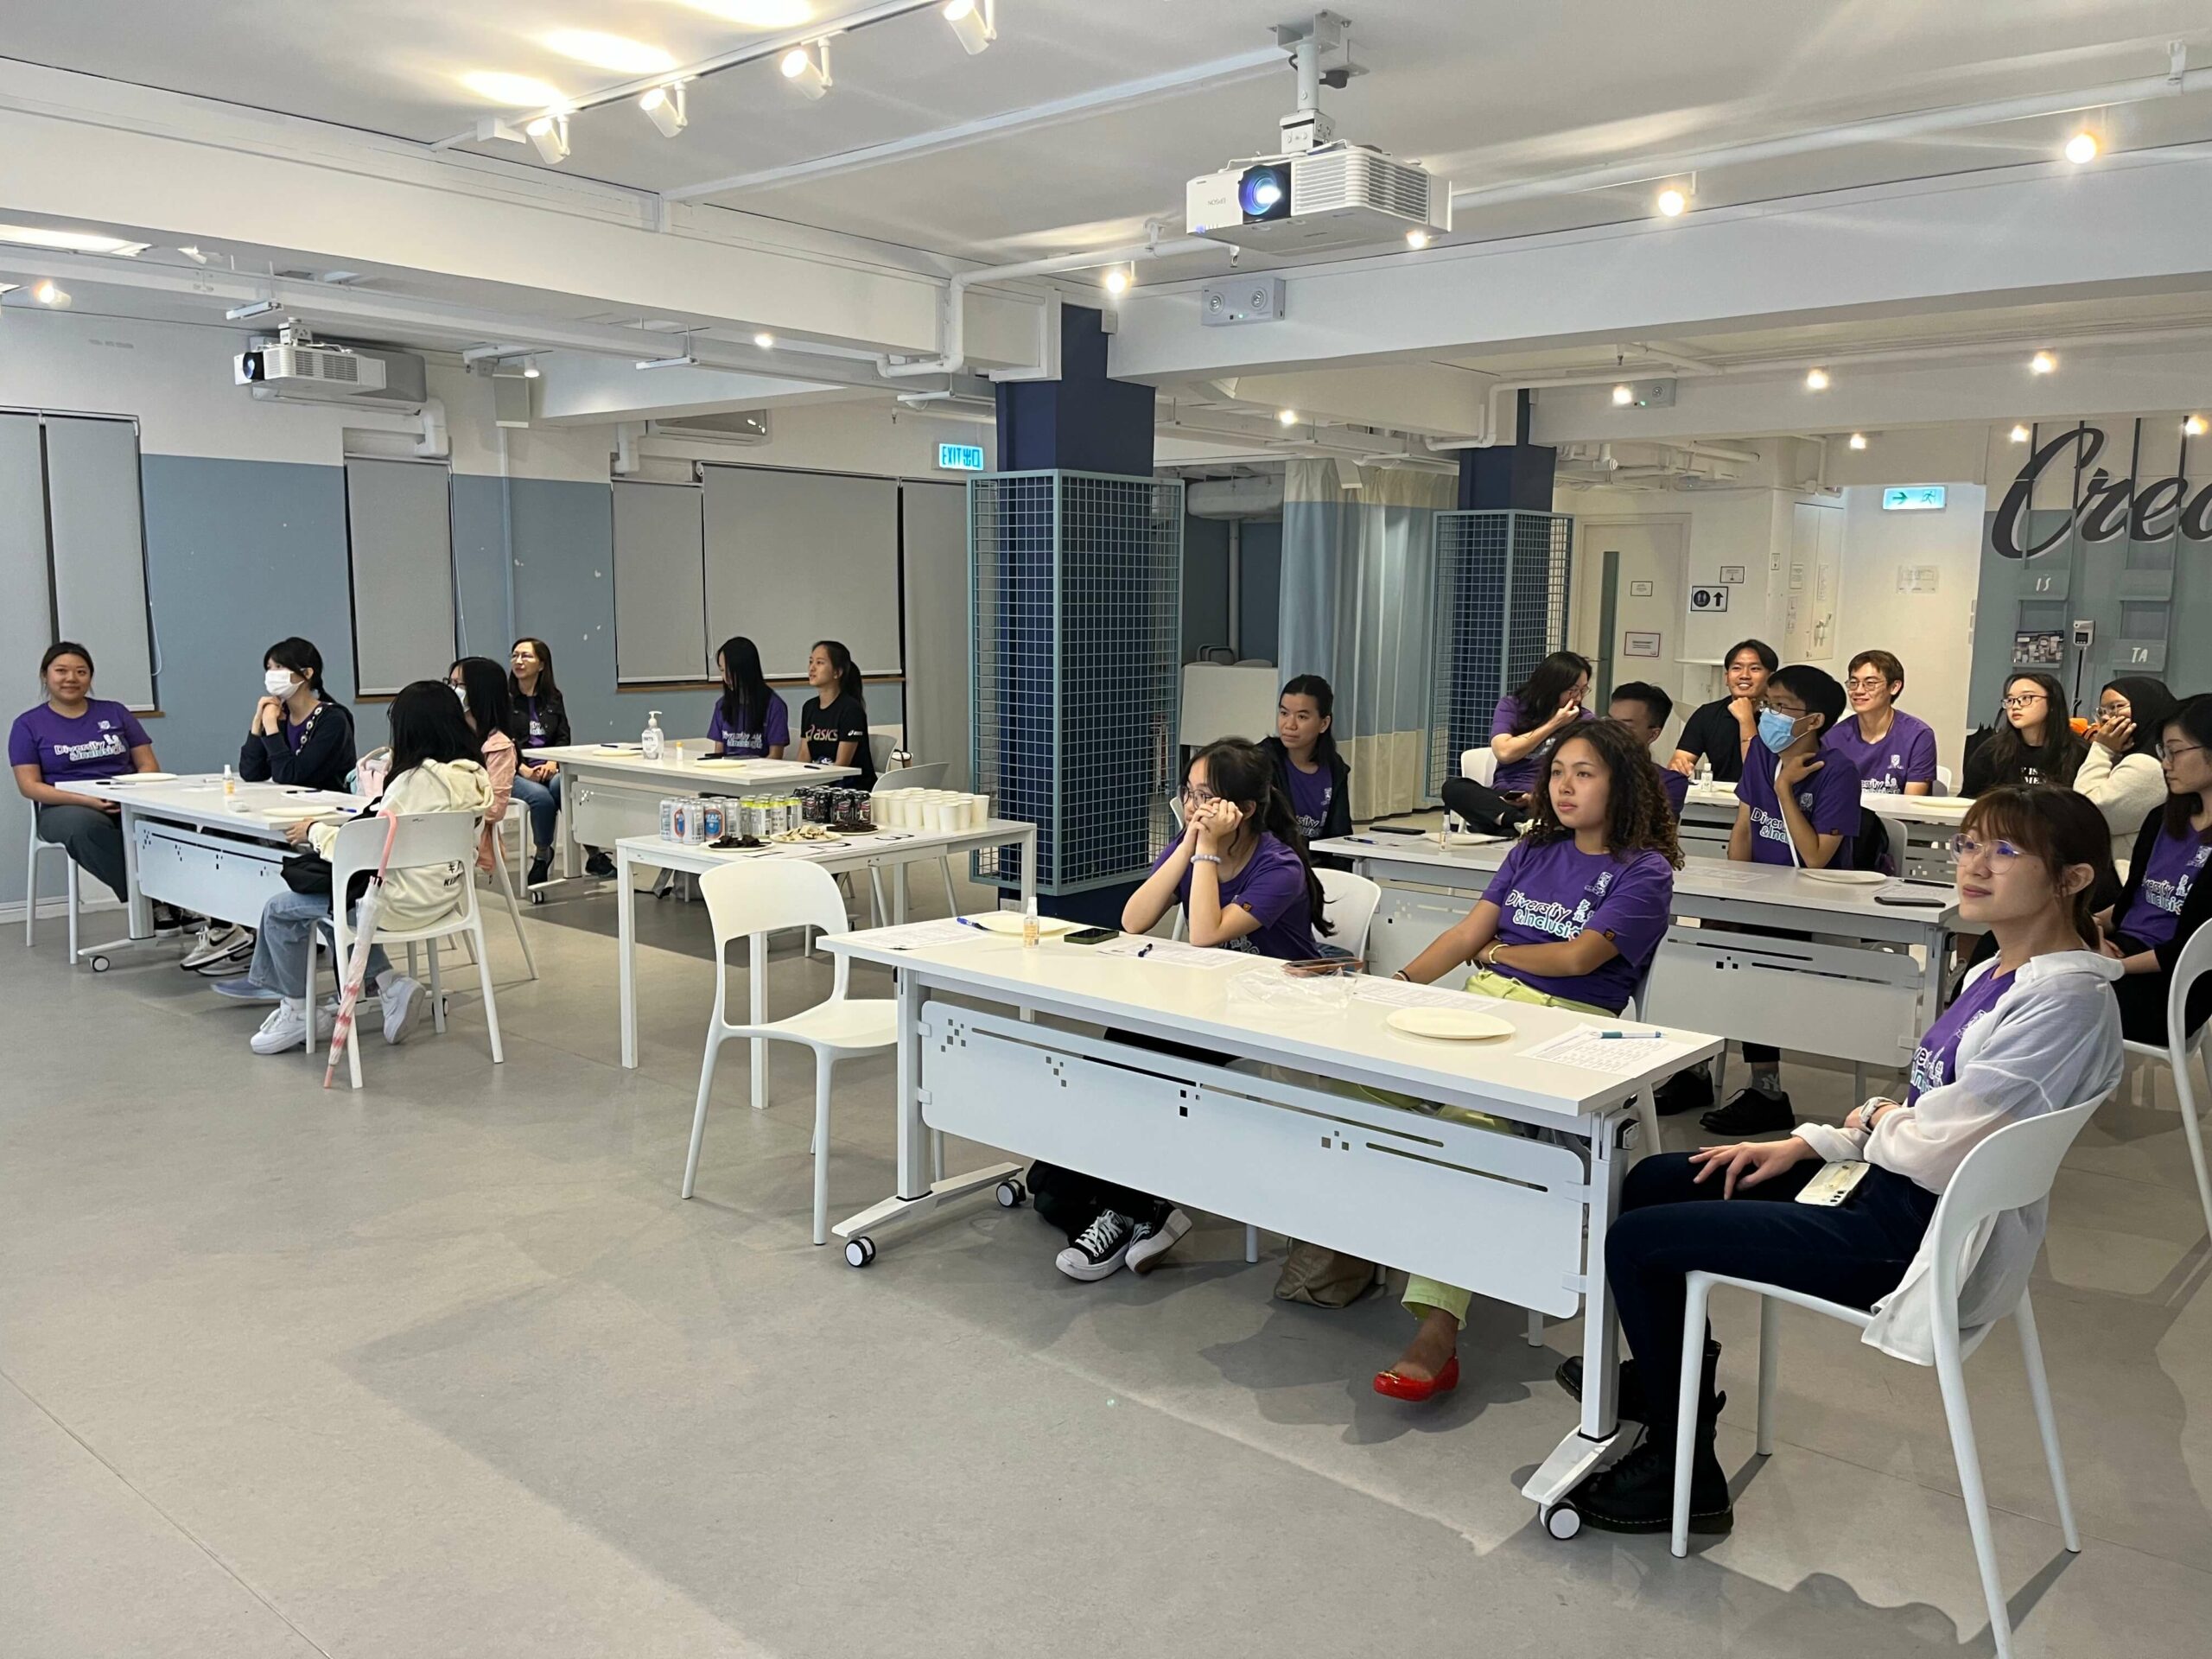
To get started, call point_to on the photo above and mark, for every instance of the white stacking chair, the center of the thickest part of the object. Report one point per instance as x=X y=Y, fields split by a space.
x=2182 y=1045
x=424 y=841
x=1348 y=904
x=1480 y=765
x=931 y=775
x=503 y=876
x=2012 y=1168
x=30 y=888
x=751 y=901
x=1945 y=784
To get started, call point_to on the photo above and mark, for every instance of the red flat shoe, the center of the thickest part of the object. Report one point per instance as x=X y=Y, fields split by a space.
x=1417 y=1388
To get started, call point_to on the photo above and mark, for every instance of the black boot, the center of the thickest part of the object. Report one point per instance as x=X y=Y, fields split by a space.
x=1637 y=1493
x=1751 y=1111
x=541 y=866
x=1630 y=1404
x=1688 y=1091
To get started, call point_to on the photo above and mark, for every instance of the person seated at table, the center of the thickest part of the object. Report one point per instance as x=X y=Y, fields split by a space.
x=1525 y=727
x=2034 y=1031
x=1313 y=774
x=2033 y=741
x=1892 y=752
x=299 y=734
x=1240 y=872
x=2120 y=774
x=833 y=724
x=1793 y=810
x=2165 y=900
x=1721 y=733
x=436 y=766
x=74 y=737
x=481 y=685
x=1582 y=902
x=1643 y=709
x=750 y=721
x=545 y=717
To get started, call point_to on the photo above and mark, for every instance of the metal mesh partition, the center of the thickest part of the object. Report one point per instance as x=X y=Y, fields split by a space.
x=1502 y=584
x=1076 y=582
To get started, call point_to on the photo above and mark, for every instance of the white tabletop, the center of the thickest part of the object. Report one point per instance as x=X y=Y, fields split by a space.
x=690 y=760
x=1910 y=809
x=258 y=810
x=1189 y=1002
x=920 y=844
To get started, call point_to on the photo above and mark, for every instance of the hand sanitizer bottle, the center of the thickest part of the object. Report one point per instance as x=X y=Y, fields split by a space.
x=230 y=789
x=650 y=740
x=1029 y=927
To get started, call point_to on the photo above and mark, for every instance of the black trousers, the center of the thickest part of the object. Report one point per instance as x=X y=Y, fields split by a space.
x=2142 y=999
x=1071 y=1200
x=1670 y=1226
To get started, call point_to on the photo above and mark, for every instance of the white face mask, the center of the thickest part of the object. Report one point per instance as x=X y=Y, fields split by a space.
x=462 y=691
x=280 y=683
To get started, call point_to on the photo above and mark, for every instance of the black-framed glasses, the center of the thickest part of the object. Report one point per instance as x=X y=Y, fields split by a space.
x=2026 y=699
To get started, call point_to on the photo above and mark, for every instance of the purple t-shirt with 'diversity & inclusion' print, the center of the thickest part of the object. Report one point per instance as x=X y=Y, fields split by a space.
x=1272 y=886
x=1310 y=795
x=1936 y=1062
x=1548 y=894
x=775 y=731
x=1829 y=797
x=2175 y=864
x=96 y=743
x=1905 y=755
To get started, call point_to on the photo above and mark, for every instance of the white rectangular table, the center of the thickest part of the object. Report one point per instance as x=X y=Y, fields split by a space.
x=1928 y=823
x=612 y=791
x=184 y=844
x=1862 y=988
x=1514 y=1217
x=884 y=849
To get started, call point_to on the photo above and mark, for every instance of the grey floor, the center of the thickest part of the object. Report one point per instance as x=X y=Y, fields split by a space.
x=446 y=1368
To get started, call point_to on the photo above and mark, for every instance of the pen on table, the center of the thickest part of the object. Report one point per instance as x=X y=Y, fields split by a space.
x=965 y=921
x=1364 y=841
x=1144 y=950
x=1630 y=1036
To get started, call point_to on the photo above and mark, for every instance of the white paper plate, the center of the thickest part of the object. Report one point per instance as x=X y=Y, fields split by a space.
x=1846 y=878
x=1452 y=1024
x=145 y=777
x=1009 y=921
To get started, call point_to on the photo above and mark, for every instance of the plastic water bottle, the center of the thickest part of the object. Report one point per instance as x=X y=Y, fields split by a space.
x=649 y=740
x=1029 y=929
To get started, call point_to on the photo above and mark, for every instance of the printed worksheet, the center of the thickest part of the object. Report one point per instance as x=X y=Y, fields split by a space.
x=1402 y=994
x=1175 y=951
x=1588 y=1048
x=916 y=936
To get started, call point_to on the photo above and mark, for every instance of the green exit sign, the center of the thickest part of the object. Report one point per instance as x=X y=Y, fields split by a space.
x=960 y=457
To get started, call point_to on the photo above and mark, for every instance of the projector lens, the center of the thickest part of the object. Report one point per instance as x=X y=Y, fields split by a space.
x=1264 y=193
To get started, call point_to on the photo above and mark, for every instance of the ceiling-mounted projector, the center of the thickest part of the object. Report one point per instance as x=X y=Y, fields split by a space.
x=1340 y=195
x=308 y=368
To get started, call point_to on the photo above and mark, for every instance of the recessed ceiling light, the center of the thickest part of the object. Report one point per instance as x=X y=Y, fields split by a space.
x=664 y=107
x=1623 y=397
x=2081 y=149
x=548 y=134
x=972 y=23
x=800 y=69
x=1288 y=416
x=1816 y=379
x=49 y=292
x=766 y=342
x=1858 y=440
x=614 y=52
x=2194 y=426
x=1117 y=280
x=37 y=236
x=1672 y=202
x=755 y=13
x=2042 y=363
x=1417 y=240
x=2021 y=435
x=515 y=91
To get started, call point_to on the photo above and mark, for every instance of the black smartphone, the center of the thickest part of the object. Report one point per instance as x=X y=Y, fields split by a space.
x=1093 y=935
x=1392 y=829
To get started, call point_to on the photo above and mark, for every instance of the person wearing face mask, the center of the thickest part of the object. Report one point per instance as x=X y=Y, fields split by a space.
x=299 y=734
x=1722 y=731
x=482 y=688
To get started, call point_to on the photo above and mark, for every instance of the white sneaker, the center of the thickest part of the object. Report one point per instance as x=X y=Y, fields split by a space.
x=287 y=1028
x=217 y=941
x=404 y=999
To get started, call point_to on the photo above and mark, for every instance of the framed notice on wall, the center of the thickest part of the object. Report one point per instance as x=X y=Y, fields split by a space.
x=2039 y=648
x=1639 y=644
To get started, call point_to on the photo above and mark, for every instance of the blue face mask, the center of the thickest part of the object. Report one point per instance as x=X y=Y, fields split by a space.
x=1777 y=731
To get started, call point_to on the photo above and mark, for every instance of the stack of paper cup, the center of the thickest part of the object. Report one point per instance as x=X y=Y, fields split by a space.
x=978 y=811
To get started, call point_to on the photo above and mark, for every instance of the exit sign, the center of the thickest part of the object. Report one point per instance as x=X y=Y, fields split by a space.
x=1913 y=497
x=960 y=457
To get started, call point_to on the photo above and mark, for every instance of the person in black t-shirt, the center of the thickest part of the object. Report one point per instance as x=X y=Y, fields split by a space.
x=837 y=730
x=1722 y=730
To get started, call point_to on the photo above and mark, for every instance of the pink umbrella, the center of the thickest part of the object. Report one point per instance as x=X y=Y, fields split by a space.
x=357 y=966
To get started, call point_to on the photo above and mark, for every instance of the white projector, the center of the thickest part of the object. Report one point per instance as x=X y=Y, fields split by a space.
x=1338 y=196
x=309 y=369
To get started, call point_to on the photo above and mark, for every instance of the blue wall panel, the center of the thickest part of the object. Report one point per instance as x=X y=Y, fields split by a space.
x=483 y=607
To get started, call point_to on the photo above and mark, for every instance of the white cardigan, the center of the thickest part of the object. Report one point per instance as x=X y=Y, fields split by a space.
x=2052 y=1041
x=2126 y=793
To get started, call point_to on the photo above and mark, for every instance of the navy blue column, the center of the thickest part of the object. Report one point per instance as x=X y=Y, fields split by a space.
x=1514 y=477
x=1081 y=423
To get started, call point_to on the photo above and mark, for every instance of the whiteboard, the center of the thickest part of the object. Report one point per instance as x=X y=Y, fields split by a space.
x=794 y=557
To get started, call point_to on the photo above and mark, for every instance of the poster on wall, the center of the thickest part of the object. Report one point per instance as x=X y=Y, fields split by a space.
x=2039 y=648
x=1639 y=644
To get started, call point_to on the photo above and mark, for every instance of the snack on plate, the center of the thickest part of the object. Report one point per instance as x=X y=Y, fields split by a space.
x=804 y=832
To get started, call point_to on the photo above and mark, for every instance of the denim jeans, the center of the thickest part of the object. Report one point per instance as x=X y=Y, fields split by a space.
x=280 y=945
x=544 y=801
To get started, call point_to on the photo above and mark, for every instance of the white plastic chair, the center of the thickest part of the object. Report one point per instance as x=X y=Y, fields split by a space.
x=2012 y=1168
x=425 y=840
x=2181 y=1045
x=503 y=877
x=30 y=888
x=1944 y=783
x=1348 y=904
x=751 y=901
x=1480 y=765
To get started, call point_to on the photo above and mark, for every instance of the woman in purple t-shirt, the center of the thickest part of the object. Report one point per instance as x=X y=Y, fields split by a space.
x=1525 y=727
x=1582 y=902
x=750 y=721
x=73 y=737
x=2166 y=897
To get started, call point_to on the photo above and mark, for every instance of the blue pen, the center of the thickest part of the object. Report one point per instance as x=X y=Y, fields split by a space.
x=1630 y=1036
x=968 y=922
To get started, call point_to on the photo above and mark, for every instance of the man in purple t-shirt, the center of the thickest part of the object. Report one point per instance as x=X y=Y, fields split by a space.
x=1643 y=709
x=1892 y=751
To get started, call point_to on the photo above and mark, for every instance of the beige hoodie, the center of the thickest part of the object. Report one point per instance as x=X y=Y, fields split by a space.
x=416 y=899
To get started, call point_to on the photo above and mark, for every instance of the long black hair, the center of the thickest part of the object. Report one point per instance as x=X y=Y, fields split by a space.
x=849 y=683
x=301 y=657
x=427 y=724
x=1238 y=772
x=2193 y=719
x=1638 y=817
x=490 y=708
x=2150 y=705
x=548 y=694
x=1537 y=698
x=1325 y=704
x=2064 y=749
x=744 y=688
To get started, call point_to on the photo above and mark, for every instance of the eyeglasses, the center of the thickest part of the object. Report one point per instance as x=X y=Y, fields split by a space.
x=1874 y=684
x=2001 y=852
x=1768 y=705
x=2023 y=699
x=2106 y=710
x=2175 y=751
x=1199 y=795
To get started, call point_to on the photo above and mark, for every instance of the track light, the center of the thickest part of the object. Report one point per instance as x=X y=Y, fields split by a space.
x=1288 y=416
x=805 y=72
x=530 y=371
x=973 y=24
x=1672 y=202
x=548 y=135
x=664 y=107
x=2081 y=149
x=1117 y=281
x=2042 y=363
x=2021 y=435
x=1858 y=440
x=766 y=342
x=1623 y=397
x=1816 y=379
x=49 y=292
x=2194 y=426
x=1417 y=240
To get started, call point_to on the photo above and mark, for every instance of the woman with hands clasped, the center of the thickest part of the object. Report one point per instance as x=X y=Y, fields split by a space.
x=2120 y=774
x=1525 y=727
x=2035 y=1030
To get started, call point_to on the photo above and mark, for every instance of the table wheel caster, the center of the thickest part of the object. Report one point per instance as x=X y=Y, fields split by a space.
x=859 y=1252
x=1562 y=1520
x=537 y=895
x=99 y=964
x=1012 y=1192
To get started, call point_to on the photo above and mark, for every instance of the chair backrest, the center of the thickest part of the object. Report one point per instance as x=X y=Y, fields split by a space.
x=1944 y=783
x=1879 y=844
x=930 y=776
x=2010 y=1169
x=423 y=841
x=881 y=742
x=1349 y=902
x=1480 y=765
x=762 y=895
x=2195 y=961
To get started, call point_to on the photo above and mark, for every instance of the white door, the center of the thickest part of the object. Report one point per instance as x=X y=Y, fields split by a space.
x=1635 y=568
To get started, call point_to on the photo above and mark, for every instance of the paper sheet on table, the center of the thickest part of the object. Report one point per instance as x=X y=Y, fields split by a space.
x=915 y=936
x=1404 y=993
x=1622 y=1056
x=1175 y=951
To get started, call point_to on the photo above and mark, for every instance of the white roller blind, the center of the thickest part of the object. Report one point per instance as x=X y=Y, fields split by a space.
x=660 y=583
x=793 y=557
x=934 y=518
x=399 y=524
x=99 y=551
x=26 y=619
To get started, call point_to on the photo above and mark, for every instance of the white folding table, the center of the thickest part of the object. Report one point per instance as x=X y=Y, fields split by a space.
x=1514 y=1217
x=612 y=791
x=1862 y=988
x=187 y=844
x=1928 y=823
x=882 y=849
